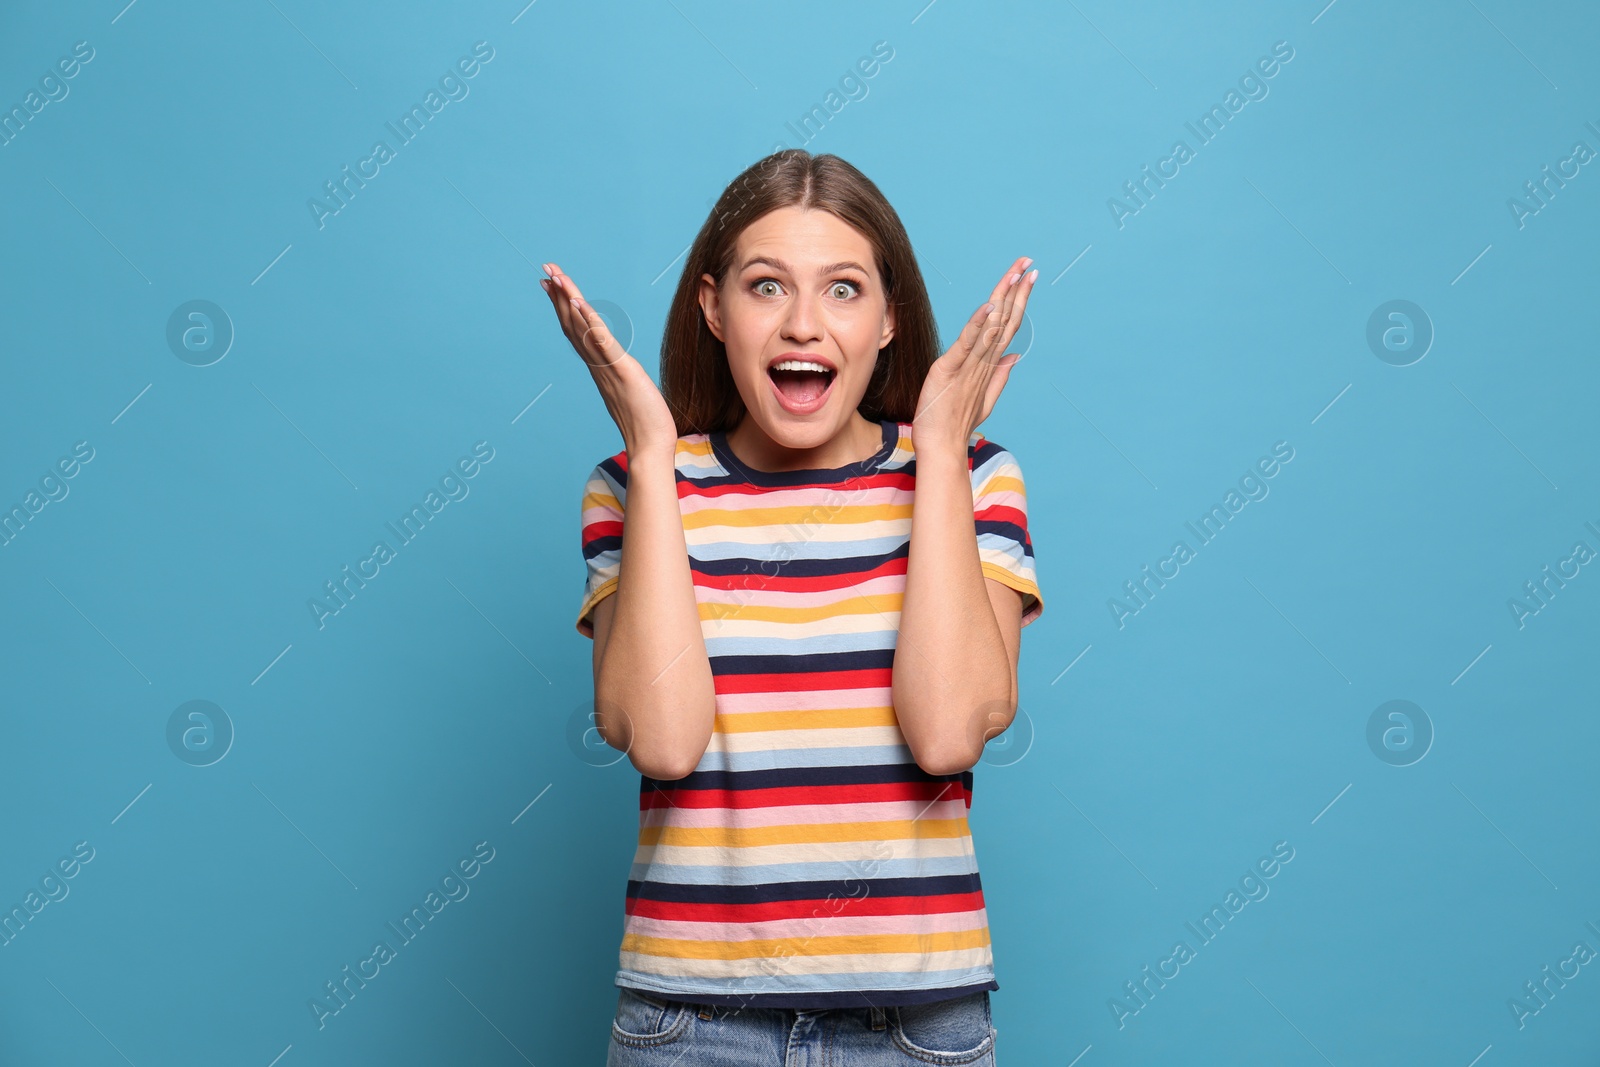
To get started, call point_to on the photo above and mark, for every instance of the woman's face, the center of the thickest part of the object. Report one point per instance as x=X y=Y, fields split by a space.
x=804 y=286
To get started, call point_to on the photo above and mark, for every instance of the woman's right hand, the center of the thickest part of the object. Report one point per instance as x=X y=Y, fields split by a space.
x=630 y=394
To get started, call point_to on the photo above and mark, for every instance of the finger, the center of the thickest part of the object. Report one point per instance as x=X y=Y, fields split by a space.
x=587 y=330
x=969 y=336
x=597 y=343
x=1004 y=284
x=990 y=339
x=997 y=383
x=1008 y=317
x=565 y=313
x=1010 y=308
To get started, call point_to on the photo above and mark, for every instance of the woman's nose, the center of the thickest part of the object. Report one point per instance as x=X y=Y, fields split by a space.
x=804 y=319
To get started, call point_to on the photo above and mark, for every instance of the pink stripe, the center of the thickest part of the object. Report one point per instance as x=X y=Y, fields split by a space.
x=877 y=696
x=807 y=498
x=763 y=592
x=842 y=924
x=806 y=814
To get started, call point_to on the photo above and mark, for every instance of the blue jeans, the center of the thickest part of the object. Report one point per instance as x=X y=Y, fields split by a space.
x=654 y=1031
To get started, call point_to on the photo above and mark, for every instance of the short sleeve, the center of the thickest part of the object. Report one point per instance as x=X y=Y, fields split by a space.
x=600 y=521
x=1000 y=514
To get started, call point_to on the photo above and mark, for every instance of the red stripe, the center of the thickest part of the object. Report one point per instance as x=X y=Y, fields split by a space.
x=1001 y=513
x=897 y=479
x=864 y=678
x=766 y=911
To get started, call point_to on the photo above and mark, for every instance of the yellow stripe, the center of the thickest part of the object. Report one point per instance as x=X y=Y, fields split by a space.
x=701 y=447
x=1005 y=577
x=846 y=945
x=800 y=833
x=796 y=515
x=1000 y=482
x=820 y=719
x=857 y=604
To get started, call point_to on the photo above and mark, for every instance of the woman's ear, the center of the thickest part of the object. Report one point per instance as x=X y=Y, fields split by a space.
x=709 y=305
x=888 y=327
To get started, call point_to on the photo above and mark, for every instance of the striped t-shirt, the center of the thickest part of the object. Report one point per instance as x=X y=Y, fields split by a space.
x=807 y=861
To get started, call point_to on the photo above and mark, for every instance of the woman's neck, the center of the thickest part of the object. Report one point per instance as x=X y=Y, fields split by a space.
x=858 y=441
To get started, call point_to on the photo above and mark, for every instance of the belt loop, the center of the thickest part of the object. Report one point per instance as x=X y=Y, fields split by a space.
x=705 y=1011
x=878 y=1018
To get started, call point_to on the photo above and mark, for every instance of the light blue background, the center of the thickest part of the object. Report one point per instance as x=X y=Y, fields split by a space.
x=370 y=354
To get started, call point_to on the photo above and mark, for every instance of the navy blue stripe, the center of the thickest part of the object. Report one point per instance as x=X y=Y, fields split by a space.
x=865 y=659
x=864 y=1000
x=789 y=777
x=797 y=568
x=777 y=892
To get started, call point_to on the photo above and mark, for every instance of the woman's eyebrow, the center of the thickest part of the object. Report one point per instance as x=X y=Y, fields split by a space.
x=781 y=265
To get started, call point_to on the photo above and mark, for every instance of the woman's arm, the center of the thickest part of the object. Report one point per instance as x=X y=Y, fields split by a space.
x=955 y=664
x=653 y=692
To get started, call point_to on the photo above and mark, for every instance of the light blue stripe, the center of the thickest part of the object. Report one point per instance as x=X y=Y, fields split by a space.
x=753 y=645
x=781 y=551
x=774 y=758
x=822 y=871
x=836 y=982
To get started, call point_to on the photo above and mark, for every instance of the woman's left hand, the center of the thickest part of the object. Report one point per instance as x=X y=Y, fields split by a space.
x=963 y=384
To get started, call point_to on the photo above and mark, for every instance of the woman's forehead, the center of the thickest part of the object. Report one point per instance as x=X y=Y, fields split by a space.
x=803 y=242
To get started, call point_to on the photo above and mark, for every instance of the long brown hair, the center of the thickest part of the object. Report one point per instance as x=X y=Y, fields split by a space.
x=695 y=379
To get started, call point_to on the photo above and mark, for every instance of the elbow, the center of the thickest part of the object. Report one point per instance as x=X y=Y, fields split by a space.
x=952 y=754
x=653 y=760
x=663 y=758
x=947 y=761
x=663 y=767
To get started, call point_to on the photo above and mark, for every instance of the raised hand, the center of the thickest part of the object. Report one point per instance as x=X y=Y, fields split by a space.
x=963 y=384
x=630 y=394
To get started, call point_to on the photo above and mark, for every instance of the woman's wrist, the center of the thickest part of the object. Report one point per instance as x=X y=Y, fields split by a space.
x=646 y=456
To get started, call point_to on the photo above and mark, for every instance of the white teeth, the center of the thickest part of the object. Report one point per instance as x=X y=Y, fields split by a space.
x=799 y=364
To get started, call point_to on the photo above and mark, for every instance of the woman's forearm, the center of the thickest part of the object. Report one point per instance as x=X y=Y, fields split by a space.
x=951 y=667
x=654 y=696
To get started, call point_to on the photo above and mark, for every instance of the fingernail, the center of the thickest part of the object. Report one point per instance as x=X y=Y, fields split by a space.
x=575 y=302
x=1013 y=279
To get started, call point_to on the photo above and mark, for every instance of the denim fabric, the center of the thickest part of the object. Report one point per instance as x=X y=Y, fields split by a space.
x=654 y=1031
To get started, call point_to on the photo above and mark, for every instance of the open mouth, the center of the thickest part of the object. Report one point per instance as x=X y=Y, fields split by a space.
x=801 y=385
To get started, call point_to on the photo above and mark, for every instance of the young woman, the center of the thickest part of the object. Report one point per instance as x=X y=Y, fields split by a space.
x=806 y=636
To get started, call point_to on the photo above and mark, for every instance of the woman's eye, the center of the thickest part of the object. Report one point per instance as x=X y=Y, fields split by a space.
x=842 y=290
